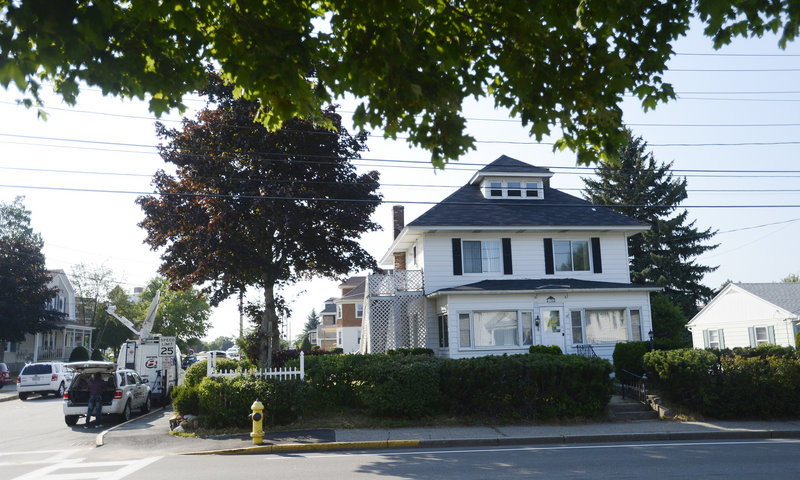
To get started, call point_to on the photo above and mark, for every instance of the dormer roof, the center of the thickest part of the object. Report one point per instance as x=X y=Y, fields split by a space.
x=506 y=166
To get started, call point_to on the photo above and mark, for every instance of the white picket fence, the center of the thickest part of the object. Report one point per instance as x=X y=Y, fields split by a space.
x=277 y=373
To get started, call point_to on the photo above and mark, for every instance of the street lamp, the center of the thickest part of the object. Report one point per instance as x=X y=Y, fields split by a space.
x=652 y=344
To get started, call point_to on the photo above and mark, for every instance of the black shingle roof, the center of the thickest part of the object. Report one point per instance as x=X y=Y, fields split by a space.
x=512 y=165
x=467 y=207
x=542 y=284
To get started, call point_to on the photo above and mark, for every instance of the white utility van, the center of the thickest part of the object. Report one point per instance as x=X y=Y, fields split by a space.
x=156 y=358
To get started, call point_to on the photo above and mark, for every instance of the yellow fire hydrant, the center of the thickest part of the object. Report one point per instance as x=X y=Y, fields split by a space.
x=258 y=418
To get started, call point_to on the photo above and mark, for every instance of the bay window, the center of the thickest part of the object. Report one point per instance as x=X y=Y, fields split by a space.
x=502 y=328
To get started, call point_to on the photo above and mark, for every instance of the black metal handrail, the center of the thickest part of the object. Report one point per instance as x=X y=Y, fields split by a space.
x=633 y=386
x=586 y=350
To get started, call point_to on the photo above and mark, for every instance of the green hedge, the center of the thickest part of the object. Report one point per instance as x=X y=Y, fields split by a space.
x=226 y=402
x=527 y=386
x=762 y=382
x=197 y=371
x=629 y=357
x=79 y=354
x=546 y=349
x=507 y=387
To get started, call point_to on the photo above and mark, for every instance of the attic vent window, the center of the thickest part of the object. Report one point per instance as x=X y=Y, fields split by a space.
x=531 y=189
x=496 y=189
x=514 y=189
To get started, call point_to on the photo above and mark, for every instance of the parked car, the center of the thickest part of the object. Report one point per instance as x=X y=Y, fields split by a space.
x=125 y=391
x=188 y=361
x=5 y=375
x=232 y=352
x=43 y=378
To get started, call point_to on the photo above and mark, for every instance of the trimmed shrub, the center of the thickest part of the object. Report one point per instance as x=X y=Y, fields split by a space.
x=226 y=402
x=97 y=354
x=400 y=386
x=682 y=375
x=629 y=357
x=527 y=386
x=185 y=400
x=79 y=354
x=197 y=371
x=337 y=350
x=411 y=351
x=546 y=349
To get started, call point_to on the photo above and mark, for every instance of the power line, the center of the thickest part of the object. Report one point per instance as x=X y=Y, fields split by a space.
x=419 y=185
x=356 y=200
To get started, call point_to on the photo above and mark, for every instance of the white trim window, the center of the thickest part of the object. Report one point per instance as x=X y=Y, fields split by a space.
x=761 y=335
x=495 y=328
x=339 y=311
x=577 y=326
x=481 y=256
x=338 y=338
x=359 y=310
x=513 y=189
x=572 y=255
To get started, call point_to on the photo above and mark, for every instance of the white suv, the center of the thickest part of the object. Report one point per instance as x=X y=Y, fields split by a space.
x=125 y=391
x=43 y=378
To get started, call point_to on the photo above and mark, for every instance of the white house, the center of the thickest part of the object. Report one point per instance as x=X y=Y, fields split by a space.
x=56 y=344
x=507 y=262
x=747 y=315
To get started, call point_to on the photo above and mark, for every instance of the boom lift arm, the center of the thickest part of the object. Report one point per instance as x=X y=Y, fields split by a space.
x=149 y=319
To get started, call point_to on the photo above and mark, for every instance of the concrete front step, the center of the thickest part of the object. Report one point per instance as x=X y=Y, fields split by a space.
x=623 y=410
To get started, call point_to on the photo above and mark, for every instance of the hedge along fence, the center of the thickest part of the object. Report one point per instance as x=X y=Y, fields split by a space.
x=508 y=387
x=513 y=386
x=751 y=384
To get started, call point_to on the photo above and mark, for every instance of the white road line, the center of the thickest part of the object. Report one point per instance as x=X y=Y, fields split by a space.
x=50 y=456
x=422 y=451
x=65 y=470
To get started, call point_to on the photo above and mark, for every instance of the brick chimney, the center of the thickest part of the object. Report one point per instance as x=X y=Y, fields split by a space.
x=399 y=221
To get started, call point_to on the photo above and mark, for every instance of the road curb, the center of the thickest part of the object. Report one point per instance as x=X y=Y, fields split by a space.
x=99 y=440
x=504 y=441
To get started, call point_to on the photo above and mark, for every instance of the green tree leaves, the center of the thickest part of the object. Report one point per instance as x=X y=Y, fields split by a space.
x=555 y=64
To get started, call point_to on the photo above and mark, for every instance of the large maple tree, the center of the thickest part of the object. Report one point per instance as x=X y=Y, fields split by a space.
x=250 y=207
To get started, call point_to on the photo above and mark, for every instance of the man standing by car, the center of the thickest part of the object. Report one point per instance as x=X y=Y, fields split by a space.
x=96 y=387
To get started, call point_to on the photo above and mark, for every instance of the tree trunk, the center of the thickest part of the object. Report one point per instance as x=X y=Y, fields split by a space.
x=268 y=321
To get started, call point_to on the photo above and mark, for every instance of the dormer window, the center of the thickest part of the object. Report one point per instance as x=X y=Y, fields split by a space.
x=512 y=189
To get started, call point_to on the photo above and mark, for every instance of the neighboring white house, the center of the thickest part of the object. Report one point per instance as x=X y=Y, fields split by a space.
x=56 y=344
x=507 y=262
x=747 y=315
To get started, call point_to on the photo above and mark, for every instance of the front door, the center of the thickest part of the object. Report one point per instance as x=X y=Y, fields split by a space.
x=552 y=327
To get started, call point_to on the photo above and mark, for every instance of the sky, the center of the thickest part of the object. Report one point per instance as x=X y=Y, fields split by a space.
x=733 y=133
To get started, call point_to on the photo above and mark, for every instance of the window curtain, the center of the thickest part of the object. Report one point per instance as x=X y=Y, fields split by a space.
x=606 y=326
x=495 y=328
x=472 y=257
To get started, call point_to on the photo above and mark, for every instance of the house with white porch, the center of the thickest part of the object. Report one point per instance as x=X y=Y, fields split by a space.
x=56 y=344
x=748 y=315
x=503 y=263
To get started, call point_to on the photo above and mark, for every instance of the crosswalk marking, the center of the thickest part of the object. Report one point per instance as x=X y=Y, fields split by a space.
x=64 y=469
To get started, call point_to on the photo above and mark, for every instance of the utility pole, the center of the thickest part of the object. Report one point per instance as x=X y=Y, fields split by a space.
x=241 y=314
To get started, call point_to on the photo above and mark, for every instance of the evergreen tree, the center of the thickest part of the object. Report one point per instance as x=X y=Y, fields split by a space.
x=665 y=255
x=312 y=322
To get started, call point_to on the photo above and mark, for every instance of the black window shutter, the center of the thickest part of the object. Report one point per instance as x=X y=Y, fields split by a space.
x=507 y=269
x=457 y=256
x=549 y=268
x=596 y=258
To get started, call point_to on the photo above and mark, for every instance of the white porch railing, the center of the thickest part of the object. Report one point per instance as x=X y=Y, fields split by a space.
x=276 y=373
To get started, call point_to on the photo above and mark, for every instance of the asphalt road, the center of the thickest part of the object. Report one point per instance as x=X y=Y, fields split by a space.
x=36 y=444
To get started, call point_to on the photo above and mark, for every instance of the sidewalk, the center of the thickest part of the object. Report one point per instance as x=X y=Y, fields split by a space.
x=152 y=432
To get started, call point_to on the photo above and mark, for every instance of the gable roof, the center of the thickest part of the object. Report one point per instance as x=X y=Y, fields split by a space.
x=510 y=166
x=783 y=295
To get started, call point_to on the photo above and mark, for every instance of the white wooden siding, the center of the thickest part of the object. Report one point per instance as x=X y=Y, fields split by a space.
x=737 y=310
x=527 y=254
x=456 y=304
